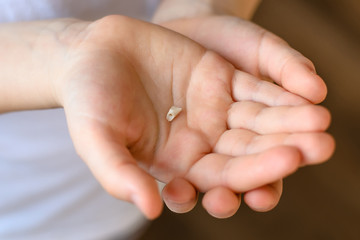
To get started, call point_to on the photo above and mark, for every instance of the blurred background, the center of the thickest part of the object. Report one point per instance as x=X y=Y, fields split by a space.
x=319 y=202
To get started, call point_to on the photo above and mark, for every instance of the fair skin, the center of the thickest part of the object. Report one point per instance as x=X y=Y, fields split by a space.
x=116 y=85
x=217 y=25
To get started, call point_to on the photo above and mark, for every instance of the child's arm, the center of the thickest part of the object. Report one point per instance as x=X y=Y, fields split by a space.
x=32 y=55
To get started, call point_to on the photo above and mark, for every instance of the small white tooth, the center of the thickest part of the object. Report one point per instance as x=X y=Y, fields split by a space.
x=173 y=112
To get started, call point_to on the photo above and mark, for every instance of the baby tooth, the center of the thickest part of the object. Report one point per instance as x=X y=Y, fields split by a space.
x=173 y=112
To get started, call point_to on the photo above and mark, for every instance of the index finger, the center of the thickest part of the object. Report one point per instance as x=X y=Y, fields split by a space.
x=289 y=68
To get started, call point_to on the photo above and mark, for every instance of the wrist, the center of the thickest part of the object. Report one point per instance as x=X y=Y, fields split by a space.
x=66 y=35
x=177 y=9
x=31 y=60
x=241 y=8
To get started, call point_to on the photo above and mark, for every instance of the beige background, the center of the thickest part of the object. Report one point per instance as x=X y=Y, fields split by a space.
x=321 y=202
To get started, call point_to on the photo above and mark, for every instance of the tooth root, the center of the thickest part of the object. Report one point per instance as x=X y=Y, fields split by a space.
x=173 y=112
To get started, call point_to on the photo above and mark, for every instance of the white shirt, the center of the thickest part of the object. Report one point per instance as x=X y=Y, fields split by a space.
x=20 y=10
x=46 y=191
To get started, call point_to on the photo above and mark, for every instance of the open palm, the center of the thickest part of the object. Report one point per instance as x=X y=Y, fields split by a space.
x=263 y=54
x=230 y=137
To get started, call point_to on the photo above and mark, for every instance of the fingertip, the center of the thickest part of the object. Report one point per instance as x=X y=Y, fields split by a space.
x=324 y=118
x=319 y=91
x=130 y=183
x=221 y=202
x=325 y=148
x=265 y=198
x=329 y=147
x=150 y=206
x=262 y=168
x=287 y=159
x=119 y=174
x=316 y=147
x=179 y=195
x=317 y=118
x=145 y=195
x=299 y=78
x=315 y=88
x=291 y=69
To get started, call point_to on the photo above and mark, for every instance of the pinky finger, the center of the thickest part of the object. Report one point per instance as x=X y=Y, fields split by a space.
x=221 y=202
x=264 y=198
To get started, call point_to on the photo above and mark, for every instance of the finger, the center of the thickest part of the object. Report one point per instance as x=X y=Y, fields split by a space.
x=315 y=147
x=179 y=195
x=117 y=171
x=247 y=87
x=221 y=202
x=289 y=68
x=244 y=173
x=257 y=51
x=123 y=179
x=262 y=119
x=265 y=198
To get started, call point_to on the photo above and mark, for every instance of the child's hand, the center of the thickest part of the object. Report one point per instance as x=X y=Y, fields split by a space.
x=235 y=133
x=254 y=50
x=258 y=52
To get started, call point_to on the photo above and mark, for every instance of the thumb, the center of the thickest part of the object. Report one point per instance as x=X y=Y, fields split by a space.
x=118 y=172
x=128 y=182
